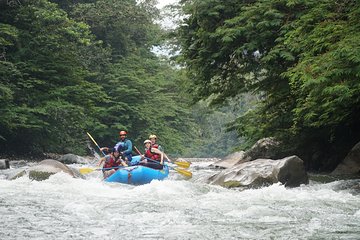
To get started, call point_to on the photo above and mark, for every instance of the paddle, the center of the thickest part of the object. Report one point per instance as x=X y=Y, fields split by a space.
x=181 y=171
x=89 y=170
x=180 y=164
x=95 y=143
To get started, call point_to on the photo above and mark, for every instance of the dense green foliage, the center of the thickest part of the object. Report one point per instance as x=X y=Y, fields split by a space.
x=301 y=57
x=67 y=67
x=214 y=136
x=46 y=100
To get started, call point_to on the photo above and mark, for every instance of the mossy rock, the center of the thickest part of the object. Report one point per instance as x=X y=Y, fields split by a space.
x=39 y=176
x=48 y=167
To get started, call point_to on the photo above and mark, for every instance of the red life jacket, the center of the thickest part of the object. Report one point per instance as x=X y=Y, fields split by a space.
x=110 y=162
x=157 y=146
x=151 y=155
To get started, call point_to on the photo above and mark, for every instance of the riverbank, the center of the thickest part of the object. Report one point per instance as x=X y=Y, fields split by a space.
x=30 y=157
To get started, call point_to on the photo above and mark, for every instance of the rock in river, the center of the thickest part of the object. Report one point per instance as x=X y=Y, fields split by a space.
x=261 y=172
x=46 y=168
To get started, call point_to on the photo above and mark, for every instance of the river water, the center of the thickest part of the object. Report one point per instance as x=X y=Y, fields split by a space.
x=63 y=207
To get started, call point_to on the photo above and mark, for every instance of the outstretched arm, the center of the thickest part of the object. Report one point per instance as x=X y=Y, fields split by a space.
x=165 y=156
x=157 y=151
x=104 y=148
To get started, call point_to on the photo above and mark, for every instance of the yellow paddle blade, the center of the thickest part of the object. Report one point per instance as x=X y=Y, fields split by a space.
x=184 y=172
x=86 y=170
x=183 y=164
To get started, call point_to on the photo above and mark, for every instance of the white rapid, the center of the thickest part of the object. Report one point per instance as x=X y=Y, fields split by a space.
x=67 y=208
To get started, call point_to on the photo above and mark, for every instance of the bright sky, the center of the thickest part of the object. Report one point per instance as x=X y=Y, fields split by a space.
x=166 y=22
x=162 y=3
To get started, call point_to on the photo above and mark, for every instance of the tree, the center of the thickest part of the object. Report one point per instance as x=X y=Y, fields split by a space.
x=44 y=79
x=124 y=26
x=300 y=57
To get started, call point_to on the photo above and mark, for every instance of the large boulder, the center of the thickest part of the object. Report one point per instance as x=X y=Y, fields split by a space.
x=267 y=148
x=230 y=160
x=351 y=164
x=263 y=148
x=290 y=171
x=46 y=168
x=72 y=158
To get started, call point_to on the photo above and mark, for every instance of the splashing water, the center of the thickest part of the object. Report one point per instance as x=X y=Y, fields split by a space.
x=67 y=208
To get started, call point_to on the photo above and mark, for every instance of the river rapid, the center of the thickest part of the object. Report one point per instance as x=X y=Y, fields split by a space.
x=63 y=207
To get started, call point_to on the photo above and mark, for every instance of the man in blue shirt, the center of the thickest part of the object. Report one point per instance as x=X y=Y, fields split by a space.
x=124 y=146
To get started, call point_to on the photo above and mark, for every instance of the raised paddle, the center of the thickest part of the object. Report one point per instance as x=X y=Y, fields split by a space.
x=89 y=170
x=181 y=171
x=95 y=143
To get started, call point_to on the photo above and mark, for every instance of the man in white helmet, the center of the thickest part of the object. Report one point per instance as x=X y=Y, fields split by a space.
x=152 y=157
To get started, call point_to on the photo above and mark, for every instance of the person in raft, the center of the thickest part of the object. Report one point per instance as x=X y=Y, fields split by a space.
x=153 y=157
x=154 y=144
x=111 y=162
x=153 y=139
x=124 y=146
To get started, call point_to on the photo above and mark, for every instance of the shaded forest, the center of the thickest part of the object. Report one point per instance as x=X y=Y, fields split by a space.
x=68 y=67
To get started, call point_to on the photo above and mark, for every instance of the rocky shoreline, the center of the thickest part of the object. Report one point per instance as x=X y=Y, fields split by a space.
x=30 y=157
x=262 y=165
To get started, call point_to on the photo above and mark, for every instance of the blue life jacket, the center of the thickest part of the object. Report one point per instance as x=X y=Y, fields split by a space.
x=125 y=147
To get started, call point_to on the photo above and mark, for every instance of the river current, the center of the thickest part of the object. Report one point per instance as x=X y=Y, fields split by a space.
x=63 y=207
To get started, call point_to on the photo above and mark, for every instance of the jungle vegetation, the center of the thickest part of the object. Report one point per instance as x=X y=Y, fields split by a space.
x=243 y=70
x=300 y=57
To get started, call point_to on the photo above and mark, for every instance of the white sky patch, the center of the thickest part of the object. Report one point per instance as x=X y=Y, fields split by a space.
x=166 y=23
x=163 y=3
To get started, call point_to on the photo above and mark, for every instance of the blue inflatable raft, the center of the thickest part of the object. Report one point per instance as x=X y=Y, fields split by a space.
x=138 y=174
